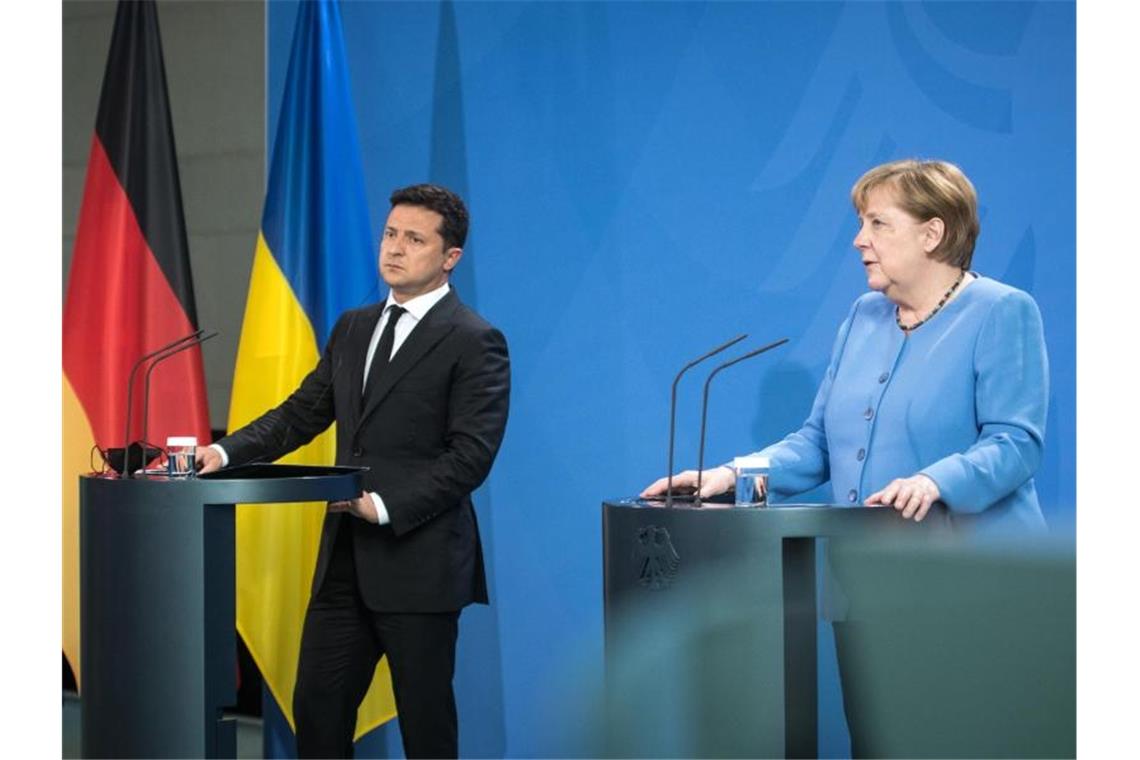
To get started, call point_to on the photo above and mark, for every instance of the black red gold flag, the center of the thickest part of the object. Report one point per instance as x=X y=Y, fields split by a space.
x=129 y=290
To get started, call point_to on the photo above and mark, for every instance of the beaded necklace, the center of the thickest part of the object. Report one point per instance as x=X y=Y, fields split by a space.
x=938 y=308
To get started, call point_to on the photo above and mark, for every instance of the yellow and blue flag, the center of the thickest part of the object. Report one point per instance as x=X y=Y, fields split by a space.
x=314 y=259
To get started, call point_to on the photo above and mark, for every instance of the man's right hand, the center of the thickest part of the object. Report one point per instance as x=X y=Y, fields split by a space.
x=207 y=459
x=715 y=481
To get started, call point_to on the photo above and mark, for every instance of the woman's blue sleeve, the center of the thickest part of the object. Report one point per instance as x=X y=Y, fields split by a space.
x=1011 y=400
x=800 y=461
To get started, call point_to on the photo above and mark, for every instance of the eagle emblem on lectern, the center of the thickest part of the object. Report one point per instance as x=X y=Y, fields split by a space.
x=657 y=560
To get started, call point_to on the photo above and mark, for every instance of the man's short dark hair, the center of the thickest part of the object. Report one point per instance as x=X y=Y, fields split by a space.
x=443 y=202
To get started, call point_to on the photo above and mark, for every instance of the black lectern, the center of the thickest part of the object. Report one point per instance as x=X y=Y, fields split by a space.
x=157 y=604
x=725 y=600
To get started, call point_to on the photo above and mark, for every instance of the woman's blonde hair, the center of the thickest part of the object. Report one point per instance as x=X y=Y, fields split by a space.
x=925 y=190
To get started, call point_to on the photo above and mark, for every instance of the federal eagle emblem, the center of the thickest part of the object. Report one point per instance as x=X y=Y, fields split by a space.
x=657 y=560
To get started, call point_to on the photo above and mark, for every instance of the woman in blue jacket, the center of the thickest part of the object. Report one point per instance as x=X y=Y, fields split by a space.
x=937 y=387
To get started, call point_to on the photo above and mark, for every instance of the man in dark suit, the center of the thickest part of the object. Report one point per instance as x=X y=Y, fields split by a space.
x=418 y=387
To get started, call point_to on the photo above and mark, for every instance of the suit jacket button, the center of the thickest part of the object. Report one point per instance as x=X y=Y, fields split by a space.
x=358 y=452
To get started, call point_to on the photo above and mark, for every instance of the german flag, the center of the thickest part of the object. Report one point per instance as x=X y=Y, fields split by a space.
x=129 y=290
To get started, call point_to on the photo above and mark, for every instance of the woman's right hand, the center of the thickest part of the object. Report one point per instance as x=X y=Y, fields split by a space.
x=715 y=481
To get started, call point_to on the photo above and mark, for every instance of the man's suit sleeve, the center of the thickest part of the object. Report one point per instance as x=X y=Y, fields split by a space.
x=476 y=420
x=307 y=412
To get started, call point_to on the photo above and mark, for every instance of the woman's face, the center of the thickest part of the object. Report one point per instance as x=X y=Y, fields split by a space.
x=893 y=244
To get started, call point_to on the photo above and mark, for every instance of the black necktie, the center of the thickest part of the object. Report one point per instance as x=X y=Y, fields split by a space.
x=383 y=349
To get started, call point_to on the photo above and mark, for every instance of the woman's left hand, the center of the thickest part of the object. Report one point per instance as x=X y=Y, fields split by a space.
x=912 y=496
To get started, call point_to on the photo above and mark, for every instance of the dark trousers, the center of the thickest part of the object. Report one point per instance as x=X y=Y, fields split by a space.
x=340 y=645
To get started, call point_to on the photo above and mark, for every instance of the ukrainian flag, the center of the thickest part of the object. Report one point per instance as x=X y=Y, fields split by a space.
x=314 y=259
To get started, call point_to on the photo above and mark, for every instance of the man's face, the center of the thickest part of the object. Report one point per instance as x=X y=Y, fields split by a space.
x=413 y=259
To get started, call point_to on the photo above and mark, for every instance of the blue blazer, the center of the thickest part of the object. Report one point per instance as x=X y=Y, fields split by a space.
x=962 y=399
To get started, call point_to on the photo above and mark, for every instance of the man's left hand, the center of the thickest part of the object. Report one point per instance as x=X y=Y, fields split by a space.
x=362 y=506
x=911 y=496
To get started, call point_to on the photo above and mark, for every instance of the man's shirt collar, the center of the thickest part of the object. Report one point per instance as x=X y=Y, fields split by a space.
x=421 y=304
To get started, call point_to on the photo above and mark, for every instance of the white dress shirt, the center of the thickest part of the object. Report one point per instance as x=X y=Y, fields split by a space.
x=416 y=309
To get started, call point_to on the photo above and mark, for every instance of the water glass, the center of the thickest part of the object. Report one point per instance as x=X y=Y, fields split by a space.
x=180 y=456
x=751 y=480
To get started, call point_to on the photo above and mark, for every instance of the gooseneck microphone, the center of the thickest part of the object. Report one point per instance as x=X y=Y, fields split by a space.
x=705 y=404
x=170 y=349
x=131 y=392
x=673 y=409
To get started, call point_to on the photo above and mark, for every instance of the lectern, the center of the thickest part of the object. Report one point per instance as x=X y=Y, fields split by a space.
x=710 y=618
x=157 y=603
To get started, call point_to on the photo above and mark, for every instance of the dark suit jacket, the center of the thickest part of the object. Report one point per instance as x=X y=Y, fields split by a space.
x=429 y=434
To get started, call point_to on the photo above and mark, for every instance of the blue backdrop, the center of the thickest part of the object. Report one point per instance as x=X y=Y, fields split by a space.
x=647 y=180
